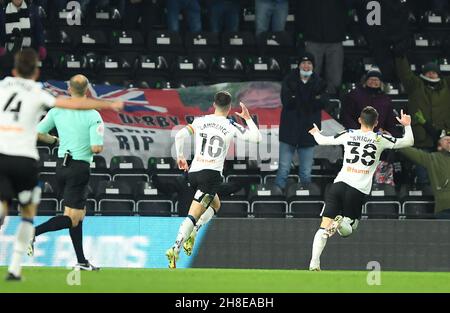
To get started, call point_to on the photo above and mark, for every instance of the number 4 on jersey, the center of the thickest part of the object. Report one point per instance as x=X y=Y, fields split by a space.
x=13 y=106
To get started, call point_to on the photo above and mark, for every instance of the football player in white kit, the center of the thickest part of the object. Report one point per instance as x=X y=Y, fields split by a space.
x=344 y=200
x=22 y=103
x=213 y=134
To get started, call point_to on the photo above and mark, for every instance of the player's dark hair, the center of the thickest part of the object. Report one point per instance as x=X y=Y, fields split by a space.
x=369 y=116
x=222 y=99
x=26 y=62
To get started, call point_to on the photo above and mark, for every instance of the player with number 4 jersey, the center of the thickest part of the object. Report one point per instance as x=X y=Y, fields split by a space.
x=344 y=200
x=213 y=135
x=22 y=103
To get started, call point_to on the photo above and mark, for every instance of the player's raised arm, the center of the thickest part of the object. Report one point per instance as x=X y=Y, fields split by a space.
x=327 y=140
x=408 y=139
x=251 y=134
x=87 y=104
x=181 y=135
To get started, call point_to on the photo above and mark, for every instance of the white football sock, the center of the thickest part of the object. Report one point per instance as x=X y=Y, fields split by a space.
x=204 y=219
x=24 y=234
x=318 y=245
x=183 y=232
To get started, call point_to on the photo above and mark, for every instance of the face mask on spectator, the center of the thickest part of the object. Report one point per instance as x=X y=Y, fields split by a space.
x=306 y=73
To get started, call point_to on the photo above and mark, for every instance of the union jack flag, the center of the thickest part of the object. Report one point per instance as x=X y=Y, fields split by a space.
x=134 y=98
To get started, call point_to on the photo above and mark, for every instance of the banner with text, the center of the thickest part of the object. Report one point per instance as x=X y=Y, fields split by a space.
x=147 y=126
x=137 y=242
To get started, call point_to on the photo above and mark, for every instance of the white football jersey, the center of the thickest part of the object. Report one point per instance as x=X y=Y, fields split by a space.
x=362 y=152
x=22 y=104
x=213 y=135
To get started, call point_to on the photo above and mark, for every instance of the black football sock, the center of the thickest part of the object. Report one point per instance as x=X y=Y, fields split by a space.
x=76 y=234
x=54 y=224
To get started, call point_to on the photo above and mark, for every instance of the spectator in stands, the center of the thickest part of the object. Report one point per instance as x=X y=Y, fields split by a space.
x=371 y=92
x=303 y=97
x=323 y=24
x=438 y=167
x=224 y=15
x=428 y=100
x=21 y=27
x=440 y=6
x=271 y=15
x=148 y=12
x=193 y=14
x=392 y=27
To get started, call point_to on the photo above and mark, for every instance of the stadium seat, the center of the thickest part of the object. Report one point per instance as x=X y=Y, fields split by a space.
x=417 y=201
x=150 y=202
x=248 y=23
x=202 y=43
x=418 y=209
x=148 y=66
x=48 y=206
x=190 y=67
x=162 y=166
x=94 y=180
x=240 y=167
x=126 y=164
x=305 y=201
x=72 y=64
x=275 y=43
x=104 y=18
x=227 y=69
x=48 y=184
x=58 y=40
x=233 y=208
x=382 y=203
x=99 y=165
x=47 y=162
x=269 y=209
x=267 y=201
x=240 y=44
x=131 y=179
x=90 y=40
x=270 y=179
x=154 y=207
x=246 y=181
x=264 y=68
x=114 y=69
x=165 y=41
x=115 y=198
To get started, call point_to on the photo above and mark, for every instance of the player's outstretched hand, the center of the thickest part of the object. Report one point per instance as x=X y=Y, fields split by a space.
x=117 y=105
x=182 y=164
x=314 y=130
x=244 y=114
x=404 y=119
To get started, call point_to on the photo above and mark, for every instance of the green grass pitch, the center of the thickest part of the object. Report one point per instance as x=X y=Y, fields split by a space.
x=44 y=279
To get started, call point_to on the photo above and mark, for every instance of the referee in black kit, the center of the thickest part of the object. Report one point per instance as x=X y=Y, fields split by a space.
x=80 y=137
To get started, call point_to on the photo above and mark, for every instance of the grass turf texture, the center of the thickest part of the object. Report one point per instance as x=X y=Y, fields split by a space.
x=44 y=279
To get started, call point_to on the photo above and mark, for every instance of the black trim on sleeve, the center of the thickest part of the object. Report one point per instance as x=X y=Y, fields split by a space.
x=340 y=134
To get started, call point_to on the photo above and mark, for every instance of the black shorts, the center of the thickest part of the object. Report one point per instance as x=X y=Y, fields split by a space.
x=17 y=174
x=344 y=200
x=73 y=183
x=207 y=181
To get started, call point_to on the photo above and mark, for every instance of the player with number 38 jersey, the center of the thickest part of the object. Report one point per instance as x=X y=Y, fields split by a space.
x=344 y=200
x=362 y=152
